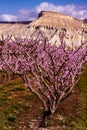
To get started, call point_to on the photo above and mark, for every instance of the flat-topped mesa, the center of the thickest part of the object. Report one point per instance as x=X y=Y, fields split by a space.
x=58 y=20
x=50 y=24
x=52 y=14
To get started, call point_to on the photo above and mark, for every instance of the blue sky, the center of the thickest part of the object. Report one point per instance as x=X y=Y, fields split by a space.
x=18 y=10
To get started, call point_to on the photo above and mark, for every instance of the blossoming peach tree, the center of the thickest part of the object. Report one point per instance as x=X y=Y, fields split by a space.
x=49 y=71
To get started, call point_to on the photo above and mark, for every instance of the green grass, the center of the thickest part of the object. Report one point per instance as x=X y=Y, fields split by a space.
x=18 y=107
x=11 y=105
x=80 y=122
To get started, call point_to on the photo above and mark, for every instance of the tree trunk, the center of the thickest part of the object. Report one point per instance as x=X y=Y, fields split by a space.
x=45 y=116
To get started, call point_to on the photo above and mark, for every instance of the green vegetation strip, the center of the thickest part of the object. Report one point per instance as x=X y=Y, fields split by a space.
x=80 y=122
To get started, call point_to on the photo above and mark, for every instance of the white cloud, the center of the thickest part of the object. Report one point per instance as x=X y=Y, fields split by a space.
x=7 y=17
x=70 y=9
x=25 y=14
x=48 y=7
x=23 y=11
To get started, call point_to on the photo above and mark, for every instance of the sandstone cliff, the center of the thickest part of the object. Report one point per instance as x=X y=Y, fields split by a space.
x=58 y=20
x=50 y=25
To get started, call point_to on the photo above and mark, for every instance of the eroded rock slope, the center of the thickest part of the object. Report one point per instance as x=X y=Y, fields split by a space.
x=50 y=25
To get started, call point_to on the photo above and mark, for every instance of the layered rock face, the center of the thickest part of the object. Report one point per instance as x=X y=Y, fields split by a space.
x=50 y=25
x=58 y=20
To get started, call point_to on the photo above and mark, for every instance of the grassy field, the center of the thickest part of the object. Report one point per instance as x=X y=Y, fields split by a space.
x=21 y=110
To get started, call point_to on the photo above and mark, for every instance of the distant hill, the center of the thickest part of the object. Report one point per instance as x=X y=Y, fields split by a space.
x=85 y=21
x=15 y=22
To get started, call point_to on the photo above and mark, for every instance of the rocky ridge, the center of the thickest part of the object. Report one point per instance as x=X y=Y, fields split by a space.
x=50 y=25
